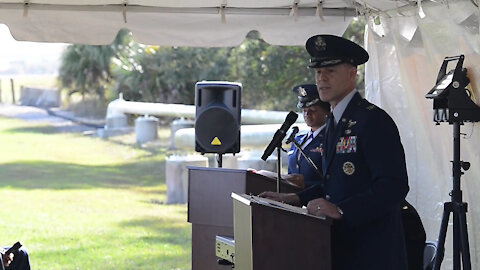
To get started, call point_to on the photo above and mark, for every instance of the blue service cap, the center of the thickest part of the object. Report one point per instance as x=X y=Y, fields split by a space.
x=308 y=96
x=329 y=50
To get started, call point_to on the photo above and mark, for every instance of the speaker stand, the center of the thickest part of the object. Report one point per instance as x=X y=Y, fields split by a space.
x=218 y=157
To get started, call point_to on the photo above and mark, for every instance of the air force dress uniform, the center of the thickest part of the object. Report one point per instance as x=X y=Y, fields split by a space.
x=311 y=142
x=364 y=171
x=297 y=163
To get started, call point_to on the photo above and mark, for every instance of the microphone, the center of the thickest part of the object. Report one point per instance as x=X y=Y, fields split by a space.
x=292 y=135
x=280 y=134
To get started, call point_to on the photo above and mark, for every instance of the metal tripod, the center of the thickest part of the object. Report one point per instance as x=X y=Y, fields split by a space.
x=459 y=210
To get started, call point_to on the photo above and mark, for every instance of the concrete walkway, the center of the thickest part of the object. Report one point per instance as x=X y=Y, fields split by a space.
x=65 y=121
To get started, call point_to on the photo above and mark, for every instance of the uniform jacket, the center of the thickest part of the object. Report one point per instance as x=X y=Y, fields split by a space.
x=366 y=177
x=300 y=165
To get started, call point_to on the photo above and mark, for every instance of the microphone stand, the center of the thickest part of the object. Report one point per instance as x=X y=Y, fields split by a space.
x=279 y=167
x=309 y=160
x=291 y=139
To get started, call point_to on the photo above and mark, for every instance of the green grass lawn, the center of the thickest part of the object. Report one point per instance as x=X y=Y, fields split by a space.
x=79 y=202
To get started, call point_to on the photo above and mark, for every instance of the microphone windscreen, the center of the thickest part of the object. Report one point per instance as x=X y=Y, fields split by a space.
x=291 y=117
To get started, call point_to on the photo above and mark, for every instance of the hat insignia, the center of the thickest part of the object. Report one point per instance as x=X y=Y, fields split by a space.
x=302 y=91
x=320 y=44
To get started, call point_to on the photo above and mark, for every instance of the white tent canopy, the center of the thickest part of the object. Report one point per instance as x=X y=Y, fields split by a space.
x=407 y=42
x=203 y=23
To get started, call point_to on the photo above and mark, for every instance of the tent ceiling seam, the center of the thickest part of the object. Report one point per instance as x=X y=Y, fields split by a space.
x=302 y=11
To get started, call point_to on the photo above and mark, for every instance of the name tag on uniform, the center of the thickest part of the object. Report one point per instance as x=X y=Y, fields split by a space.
x=290 y=152
x=346 y=145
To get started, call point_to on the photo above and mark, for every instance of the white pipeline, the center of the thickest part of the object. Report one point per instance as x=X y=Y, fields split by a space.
x=253 y=117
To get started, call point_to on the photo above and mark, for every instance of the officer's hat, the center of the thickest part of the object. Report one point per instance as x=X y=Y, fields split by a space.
x=329 y=50
x=308 y=96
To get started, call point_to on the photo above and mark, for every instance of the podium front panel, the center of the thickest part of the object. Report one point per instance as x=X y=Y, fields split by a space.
x=209 y=201
x=272 y=238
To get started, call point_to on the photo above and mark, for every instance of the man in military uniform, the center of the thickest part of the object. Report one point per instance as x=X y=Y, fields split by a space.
x=315 y=114
x=365 y=176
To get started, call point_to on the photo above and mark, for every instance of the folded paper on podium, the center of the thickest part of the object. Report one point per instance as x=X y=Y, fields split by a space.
x=273 y=235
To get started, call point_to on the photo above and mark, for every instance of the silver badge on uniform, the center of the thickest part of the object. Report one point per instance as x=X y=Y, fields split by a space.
x=348 y=168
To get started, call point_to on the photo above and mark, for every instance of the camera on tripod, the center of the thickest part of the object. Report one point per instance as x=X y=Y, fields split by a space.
x=452 y=102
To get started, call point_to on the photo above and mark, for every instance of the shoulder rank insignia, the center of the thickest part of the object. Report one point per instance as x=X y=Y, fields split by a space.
x=371 y=107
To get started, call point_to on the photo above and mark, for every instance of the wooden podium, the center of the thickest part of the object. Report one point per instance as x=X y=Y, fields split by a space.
x=210 y=207
x=273 y=235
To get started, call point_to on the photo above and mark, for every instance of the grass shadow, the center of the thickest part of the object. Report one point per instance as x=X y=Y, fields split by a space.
x=53 y=175
x=34 y=129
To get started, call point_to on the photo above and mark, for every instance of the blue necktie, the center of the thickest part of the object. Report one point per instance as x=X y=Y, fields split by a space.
x=303 y=146
x=330 y=134
x=306 y=138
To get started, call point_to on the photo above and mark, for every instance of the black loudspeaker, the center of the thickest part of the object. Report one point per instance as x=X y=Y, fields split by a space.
x=217 y=117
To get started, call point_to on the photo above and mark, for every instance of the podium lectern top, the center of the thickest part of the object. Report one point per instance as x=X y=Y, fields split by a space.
x=249 y=199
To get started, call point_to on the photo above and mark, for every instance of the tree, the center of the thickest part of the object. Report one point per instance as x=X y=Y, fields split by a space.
x=355 y=32
x=85 y=69
x=169 y=74
x=268 y=73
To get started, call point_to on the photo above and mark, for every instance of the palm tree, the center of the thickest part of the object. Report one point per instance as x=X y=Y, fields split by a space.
x=86 y=69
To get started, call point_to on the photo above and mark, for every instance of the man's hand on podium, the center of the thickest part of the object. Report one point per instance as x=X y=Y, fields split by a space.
x=322 y=207
x=288 y=198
